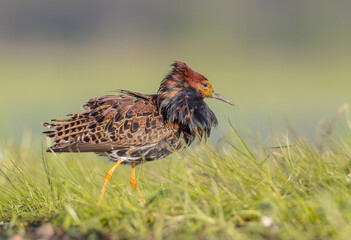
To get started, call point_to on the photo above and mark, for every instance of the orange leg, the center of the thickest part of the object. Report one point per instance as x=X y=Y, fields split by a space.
x=133 y=182
x=107 y=177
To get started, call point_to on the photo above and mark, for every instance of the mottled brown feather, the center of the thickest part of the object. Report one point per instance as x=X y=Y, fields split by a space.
x=111 y=123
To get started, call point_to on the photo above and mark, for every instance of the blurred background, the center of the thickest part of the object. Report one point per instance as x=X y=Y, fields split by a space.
x=279 y=61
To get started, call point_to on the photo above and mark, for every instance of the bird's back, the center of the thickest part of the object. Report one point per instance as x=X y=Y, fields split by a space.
x=127 y=127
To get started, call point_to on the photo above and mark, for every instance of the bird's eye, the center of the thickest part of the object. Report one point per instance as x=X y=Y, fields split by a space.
x=205 y=84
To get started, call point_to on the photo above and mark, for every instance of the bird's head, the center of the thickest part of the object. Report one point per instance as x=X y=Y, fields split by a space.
x=183 y=77
x=181 y=98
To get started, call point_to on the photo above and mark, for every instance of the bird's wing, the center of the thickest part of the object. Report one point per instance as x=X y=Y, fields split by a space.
x=109 y=123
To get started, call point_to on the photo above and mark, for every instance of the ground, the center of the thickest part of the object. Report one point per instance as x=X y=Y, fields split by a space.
x=295 y=189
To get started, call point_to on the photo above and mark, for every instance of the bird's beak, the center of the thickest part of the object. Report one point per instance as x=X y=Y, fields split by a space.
x=220 y=97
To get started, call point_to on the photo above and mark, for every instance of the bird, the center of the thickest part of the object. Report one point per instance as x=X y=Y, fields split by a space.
x=134 y=128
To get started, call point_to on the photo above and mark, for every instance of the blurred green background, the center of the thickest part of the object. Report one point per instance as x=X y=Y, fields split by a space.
x=275 y=59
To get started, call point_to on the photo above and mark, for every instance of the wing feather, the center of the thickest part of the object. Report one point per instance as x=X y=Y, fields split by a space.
x=109 y=123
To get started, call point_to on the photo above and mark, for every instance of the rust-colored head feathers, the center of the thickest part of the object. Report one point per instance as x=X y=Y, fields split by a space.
x=181 y=73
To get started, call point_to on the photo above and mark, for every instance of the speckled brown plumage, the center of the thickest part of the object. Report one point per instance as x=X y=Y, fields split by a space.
x=127 y=127
x=133 y=128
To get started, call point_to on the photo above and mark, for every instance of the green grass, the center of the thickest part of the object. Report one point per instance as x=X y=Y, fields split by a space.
x=232 y=191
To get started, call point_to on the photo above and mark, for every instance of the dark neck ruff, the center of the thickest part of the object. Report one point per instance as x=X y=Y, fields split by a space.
x=182 y=105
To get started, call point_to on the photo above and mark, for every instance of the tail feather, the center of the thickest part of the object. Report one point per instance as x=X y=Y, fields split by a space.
x=49 y=125
x=49 y=133
x=59 y=147
x=72 y=125
x=84 y=131
x=101 y=127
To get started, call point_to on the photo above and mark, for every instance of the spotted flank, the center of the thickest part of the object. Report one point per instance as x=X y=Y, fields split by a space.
x=125 y=127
